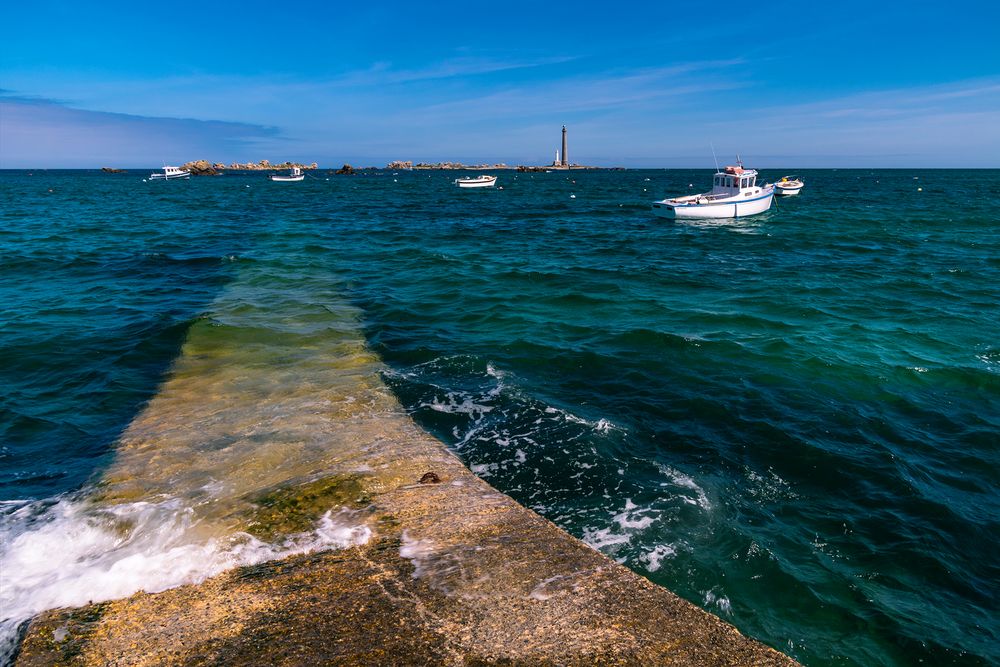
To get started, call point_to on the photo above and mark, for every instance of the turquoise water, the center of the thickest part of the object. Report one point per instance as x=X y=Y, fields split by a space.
x=792 y=420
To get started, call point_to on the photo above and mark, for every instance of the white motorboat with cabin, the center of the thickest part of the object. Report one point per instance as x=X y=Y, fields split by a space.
x=788 y=185
x=170 y=173
x=734 y=194
x=481 y=181
x=294 y=175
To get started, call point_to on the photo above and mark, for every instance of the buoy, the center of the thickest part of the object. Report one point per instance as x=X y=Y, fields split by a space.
x=918 y=190
x=572 y=196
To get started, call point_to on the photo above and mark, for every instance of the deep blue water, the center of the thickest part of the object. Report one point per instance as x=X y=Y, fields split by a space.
x=792 y=420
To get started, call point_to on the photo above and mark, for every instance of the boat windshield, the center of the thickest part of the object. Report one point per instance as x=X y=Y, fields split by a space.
x=731 y=182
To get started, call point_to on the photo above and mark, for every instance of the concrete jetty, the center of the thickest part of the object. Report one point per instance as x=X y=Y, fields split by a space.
x=285 y=418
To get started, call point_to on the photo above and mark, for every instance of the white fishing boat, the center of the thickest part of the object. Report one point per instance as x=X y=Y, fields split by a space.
x=788 y=185
x=734 y=194
x=294 y=175
x=170 y=173
x=482 y=181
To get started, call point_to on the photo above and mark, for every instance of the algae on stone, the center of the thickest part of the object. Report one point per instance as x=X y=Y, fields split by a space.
x=295 y=509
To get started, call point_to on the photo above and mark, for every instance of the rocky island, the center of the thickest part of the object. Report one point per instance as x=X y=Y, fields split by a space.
x=206 y=168
x=408 y=164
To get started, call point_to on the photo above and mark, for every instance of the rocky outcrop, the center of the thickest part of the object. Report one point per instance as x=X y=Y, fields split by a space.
x=346 y=170
x=112 y=170
x=265 y=165
x=458 y=165
x=399 y=164
x=200 y=168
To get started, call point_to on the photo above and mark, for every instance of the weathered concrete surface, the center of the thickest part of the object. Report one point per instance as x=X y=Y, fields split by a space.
x=488 y=582
x=281 y=425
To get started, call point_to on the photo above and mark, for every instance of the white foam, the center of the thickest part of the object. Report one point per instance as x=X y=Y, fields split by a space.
x=457 y=403
x=719 y=600
x=654 y=559
x=560 y=583
x=484 y=469
x=601 y=425
x=624 y=525
x=684 y=481
x=72 y=553
x=600 y=538
x=418 y=552
x=629 y=519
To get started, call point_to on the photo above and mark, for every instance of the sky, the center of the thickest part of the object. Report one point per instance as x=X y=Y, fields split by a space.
x=638 y=84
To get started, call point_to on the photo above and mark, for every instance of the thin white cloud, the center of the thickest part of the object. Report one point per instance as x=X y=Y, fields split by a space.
x=583 y=94
x=39 y=133
x=383 y=73
x=895 y=102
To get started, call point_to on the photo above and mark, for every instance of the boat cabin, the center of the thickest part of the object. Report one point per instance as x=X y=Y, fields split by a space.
x=734 y=179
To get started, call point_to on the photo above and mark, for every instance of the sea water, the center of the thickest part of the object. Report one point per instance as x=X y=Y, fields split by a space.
x=792 y=420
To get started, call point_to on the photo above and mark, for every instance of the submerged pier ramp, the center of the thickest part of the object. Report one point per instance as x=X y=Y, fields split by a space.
x=311 y=521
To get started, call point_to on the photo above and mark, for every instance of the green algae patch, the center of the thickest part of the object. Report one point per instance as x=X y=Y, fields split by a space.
x=118 y=489
x=295 y=509
x=265 y=570
x=63 y=635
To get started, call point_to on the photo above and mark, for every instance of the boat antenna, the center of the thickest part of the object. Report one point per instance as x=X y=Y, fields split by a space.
x=739 y=160
x=714 y=158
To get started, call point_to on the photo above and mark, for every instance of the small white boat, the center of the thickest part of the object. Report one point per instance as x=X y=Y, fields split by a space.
x=482 y=181
x=734 y=194
x=295 y=175
x=788 y=185
x=170 y=173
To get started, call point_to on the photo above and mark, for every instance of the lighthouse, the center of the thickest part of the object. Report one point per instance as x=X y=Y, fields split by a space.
x=565 y=160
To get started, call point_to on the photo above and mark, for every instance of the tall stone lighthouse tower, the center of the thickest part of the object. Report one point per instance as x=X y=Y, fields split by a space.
x=565 y=158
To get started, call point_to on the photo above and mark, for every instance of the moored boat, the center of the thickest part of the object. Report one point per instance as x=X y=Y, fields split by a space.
x=170 y=173
x=734 y=194
x=294 y=175
x=788 y=185
x=482 y=181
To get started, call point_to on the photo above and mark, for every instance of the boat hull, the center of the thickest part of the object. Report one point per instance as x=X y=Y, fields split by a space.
x=476 y=183
x=724 y=209
x=786 y=192
x=288 y=179
x=168 y=177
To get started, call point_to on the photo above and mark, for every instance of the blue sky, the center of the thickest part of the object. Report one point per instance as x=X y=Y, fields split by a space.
x=638 y=84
